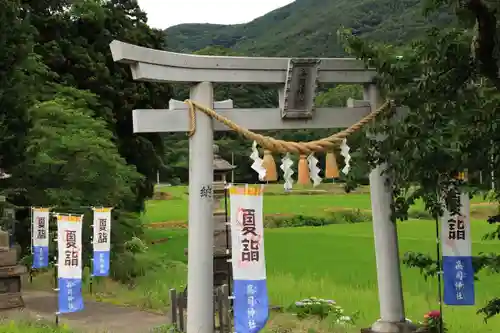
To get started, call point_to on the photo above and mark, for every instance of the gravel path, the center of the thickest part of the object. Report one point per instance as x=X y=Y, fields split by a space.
x=95 y=318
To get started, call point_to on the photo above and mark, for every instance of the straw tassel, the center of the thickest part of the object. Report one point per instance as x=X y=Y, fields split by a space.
x=303 y=177
x=331 y=168
x=461 y=175
x=270 y=165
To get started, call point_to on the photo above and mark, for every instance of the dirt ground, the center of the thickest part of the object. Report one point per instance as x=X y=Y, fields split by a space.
x=95 y=318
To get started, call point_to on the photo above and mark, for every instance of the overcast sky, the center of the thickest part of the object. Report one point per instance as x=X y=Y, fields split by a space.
x=166 y=13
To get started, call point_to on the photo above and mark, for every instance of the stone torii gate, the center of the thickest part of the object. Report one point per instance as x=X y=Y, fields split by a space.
x=296 y=81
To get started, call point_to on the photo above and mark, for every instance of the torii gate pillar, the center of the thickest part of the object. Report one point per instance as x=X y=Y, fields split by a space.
x=201 y=229
x=390 y=290
x=296 y=80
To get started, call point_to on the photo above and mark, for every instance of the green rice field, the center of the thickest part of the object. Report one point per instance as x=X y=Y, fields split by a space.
x=276 y=202
x=337 y=261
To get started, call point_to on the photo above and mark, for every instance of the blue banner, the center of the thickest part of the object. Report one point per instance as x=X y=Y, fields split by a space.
x=40 y=237
x=70 y=295
x=101 y=241
x=458 y=276
x=101 y=263
x=251 y=305
x=456 y=244
x=40 y=257
x=69 y=263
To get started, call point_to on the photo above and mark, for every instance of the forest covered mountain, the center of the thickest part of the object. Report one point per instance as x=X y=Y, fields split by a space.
x=308 y=28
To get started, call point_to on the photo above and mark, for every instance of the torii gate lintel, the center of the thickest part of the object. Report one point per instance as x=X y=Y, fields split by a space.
x=176 y=118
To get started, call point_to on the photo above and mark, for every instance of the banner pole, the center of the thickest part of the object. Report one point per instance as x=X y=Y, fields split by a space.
x=32 y=244
x=91 y=278
x=228 y=250
x=439 y=275
x=56 y=267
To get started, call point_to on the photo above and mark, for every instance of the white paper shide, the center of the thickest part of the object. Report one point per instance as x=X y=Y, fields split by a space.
x=286 y=167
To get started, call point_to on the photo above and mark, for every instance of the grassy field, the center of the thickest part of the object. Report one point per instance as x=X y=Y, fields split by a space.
x=337 y=262
x=11 y=326
x=277 y=202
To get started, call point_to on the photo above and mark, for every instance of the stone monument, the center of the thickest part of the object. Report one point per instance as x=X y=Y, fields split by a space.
x=10 y=272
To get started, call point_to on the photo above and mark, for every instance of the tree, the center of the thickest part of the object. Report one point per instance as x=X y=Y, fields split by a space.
x=73 y=41
x=339 y=95
x=18 y=78
x=483 y=16
x=72 y=164
x=70 y=158
x=452 y=120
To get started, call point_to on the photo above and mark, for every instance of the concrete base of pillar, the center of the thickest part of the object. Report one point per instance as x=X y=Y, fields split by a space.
x=386 y=327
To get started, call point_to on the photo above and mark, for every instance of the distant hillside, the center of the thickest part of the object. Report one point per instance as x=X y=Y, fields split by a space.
x=308 y=28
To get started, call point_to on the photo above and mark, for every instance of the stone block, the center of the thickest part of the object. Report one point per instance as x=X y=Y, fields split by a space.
x=8 y=258
x=4 y=241
x=10 y=285
x=389 y=327
x=11 y=301
x=17 y=248
x=9 y=271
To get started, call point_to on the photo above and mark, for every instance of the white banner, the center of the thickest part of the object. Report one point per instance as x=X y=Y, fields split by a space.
x=455 y=231
x=102 y=229
x=69 y=244
x=40 y=218
x=101 y=241
x=251 y=303
x=247 y=233
x=456 y=243
x=40 y=227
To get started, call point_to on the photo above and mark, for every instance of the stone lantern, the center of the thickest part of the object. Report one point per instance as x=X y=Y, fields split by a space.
x=222 y=232
x=11 y=272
